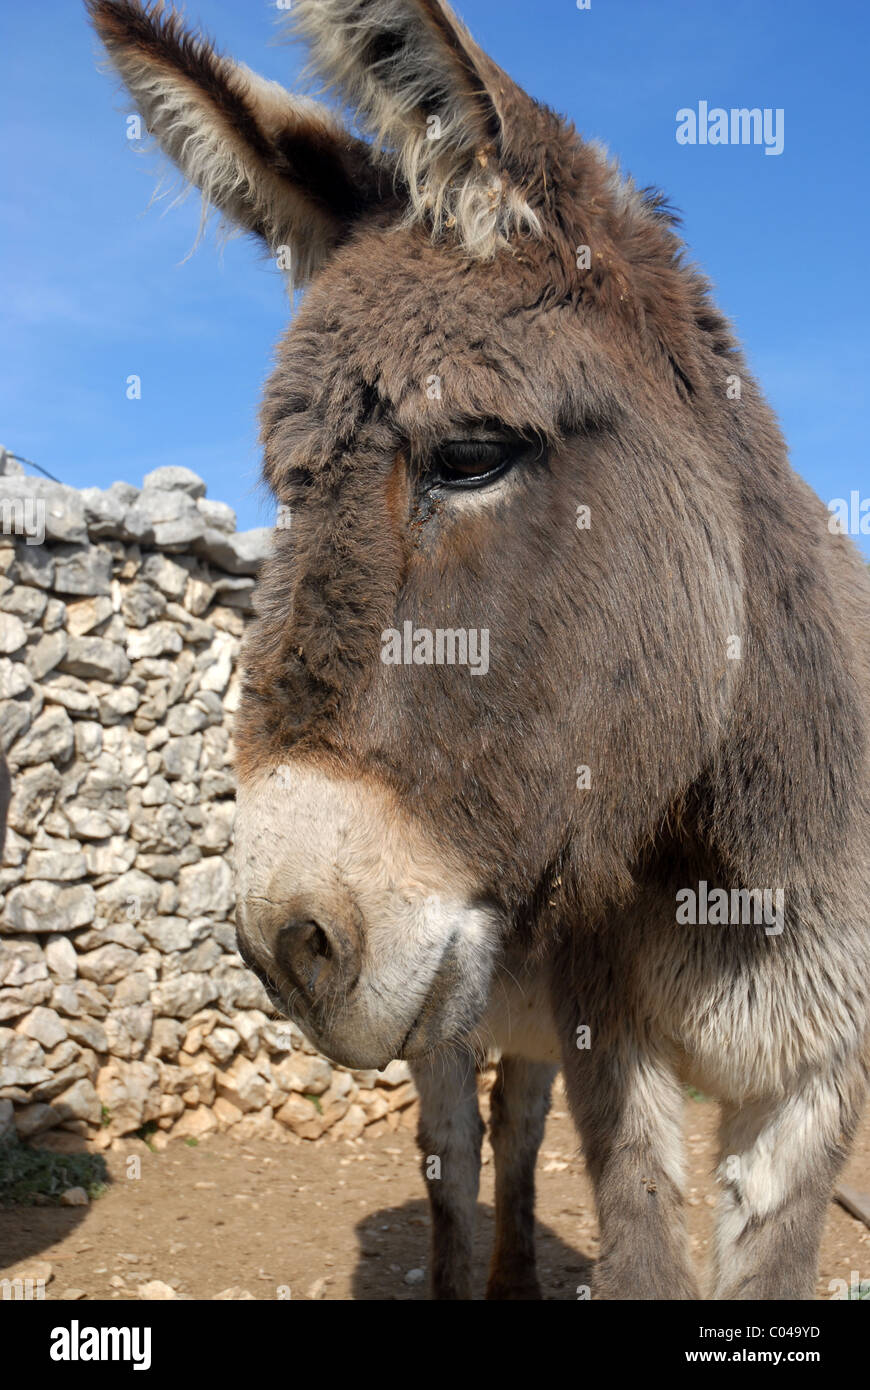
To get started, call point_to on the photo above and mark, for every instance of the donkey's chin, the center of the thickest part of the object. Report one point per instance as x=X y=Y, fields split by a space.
x=386 y=1021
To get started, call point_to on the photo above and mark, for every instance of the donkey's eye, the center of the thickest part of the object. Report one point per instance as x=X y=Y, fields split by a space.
x=472 y=462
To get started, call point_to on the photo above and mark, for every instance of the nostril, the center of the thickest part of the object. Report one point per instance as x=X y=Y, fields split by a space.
x=319 y=942
x=305 y=952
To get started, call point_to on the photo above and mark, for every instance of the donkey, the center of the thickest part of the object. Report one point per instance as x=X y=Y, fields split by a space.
x=507 y=406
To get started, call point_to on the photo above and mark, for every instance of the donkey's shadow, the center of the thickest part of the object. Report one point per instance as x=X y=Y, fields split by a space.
x=31 y=1179
x=394 y=1244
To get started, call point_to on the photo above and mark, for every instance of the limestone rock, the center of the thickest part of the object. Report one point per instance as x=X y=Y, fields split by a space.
x=206 y=887
x=164 y=518
x=69 y=691
x=225 y=1112
x=83 y=570
x=87 y=613
x=106 y=964
x=395 y=1074
x=217 y=515
x=47 y=507
x=34 y=564
x=88 y=1032
x=16 y=716
x=60 y=957
x=181 y=757
x=156 y=1291
x=131 y=897
x=63 y=1055
x=351 y=1125
x=13 y=633
x=193 y=1124
x=65 y=865
x=219 y=670
x=241 y=553
x=74 y=1197
x=80 y=1102
x=93 y=824
x=134 y=988
x=166 y=1037
x=222 y=1043
x=46 y=654
x=238 y=988
x=45 y=907
x=113 y=856
x=183 y=996
x=105 y=509
x=170 y=934
x=94 y=657
x=50 y=738
x=31 y=1120
x=130 y=1092
x=301 y=1116
x=22 y=962
x=44 y=1026
x=15 y=679
x=61 y=1081
x=299 y=1072
x=26 y=602
x=21 y=1050
x=243 y=1085
x=15 y=1002
x=141 y=604
x=167 y=576
x=172 y=478
x=54 y=615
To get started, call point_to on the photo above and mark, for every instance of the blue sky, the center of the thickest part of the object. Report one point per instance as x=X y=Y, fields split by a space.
x=99 y=287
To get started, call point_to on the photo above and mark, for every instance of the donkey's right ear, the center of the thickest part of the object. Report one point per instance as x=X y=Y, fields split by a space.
x=277 y=165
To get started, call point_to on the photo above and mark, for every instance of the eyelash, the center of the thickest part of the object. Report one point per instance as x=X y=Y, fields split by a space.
x=458 y=453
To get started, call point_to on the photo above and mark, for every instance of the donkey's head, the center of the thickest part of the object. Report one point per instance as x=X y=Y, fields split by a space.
x=491 y=644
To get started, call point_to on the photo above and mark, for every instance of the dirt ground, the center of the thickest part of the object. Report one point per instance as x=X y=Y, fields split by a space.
x=339 y=1220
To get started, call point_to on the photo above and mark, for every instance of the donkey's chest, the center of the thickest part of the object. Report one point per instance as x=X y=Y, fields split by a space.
x=519 y=1020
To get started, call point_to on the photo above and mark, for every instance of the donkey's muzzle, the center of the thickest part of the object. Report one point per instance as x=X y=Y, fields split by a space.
x=357 y=925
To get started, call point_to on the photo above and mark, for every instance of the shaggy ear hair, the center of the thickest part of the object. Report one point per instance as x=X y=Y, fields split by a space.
x=280 y=166
x=441 y=109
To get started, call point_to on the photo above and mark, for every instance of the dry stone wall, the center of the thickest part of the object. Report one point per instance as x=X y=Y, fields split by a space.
x=124 y=1006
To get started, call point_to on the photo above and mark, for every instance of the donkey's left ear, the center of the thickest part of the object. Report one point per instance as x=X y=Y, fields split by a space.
x=280 y=166
x=461 y=132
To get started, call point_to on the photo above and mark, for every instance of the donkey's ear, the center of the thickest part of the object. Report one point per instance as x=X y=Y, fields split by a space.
x=436 y=104
x=277 y=165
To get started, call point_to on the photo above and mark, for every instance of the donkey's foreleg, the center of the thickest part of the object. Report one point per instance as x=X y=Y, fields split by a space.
x=450 y=1136
x=628 y=1107
x=520 y=1101
x=778 y=1162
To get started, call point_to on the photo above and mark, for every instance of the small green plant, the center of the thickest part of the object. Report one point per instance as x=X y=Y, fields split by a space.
x=315 y=1101
x=105 y=1116
x=192 y=1143
x=28 y=1174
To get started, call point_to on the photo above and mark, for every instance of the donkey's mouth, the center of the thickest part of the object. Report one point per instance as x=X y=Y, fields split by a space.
x=450 y=1011
x=403 y=1050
